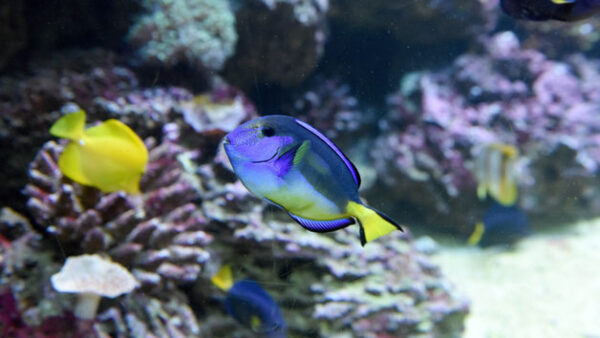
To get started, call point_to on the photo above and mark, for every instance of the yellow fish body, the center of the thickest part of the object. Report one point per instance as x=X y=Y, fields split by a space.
x=495 y=172
x=109 y=156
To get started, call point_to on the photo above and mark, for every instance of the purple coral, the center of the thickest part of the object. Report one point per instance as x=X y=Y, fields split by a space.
x=507 y=94
x=330 y=106
x=159 y=234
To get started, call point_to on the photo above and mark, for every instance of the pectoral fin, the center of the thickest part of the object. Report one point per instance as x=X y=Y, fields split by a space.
x=291 y=157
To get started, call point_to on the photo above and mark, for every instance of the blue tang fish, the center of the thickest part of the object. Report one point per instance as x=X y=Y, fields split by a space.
x=251 y=305
x=294 y=166
x=562 y=10
x=502 y=225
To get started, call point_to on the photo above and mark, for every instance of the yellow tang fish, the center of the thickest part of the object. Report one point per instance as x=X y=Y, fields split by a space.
x=109 y=156
x=495 y=172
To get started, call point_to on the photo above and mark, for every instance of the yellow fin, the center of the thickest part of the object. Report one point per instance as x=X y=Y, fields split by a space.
x=223 y=278
x=562 y=2
x=481 y=192
x=301 y=152
x=69 y=163
x=255 y=323
x=69 y=126
x=508 y=193
x=477 y=234
x=373 y=224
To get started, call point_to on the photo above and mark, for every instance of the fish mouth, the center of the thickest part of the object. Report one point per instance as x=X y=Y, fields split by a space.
x=269 y=159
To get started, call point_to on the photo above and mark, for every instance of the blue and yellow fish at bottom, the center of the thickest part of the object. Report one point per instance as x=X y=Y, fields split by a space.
x=249 y=304
x=501 y=225
x=109 y=156
x=292 y=165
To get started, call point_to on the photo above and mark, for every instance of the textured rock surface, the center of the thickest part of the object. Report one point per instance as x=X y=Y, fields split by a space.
x=200 y=33
x=546 y=108
x=280 y=41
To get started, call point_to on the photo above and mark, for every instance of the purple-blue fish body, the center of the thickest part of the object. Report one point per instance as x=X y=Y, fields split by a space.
x=294 y=166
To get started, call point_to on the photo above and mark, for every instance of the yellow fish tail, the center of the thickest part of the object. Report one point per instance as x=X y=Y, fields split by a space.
x=69 y=126
x=223 y=279
x=481 y=192
x=477 y=234
x=508 y=195
x=373 y=223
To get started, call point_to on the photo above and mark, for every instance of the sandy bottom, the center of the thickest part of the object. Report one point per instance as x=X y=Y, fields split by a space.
x=548 y=286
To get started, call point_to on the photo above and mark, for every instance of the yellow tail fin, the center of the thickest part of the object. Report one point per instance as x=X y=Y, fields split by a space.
x=69 y=126
x=373 y=224
x=223 y=279
x=477 y=234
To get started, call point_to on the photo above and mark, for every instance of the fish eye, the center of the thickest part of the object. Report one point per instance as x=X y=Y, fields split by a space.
x=268 y=131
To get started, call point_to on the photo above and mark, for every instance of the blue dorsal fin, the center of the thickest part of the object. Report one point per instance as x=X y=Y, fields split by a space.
x=333 y=147
x=322 y=226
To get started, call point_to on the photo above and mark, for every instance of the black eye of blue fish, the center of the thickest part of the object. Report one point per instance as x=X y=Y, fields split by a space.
x=268 y=131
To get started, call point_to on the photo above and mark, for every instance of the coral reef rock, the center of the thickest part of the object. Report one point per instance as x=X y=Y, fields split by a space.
x=327 y=283
x=158 y=235
x=280 y=41
x=200 y=33
x=30 y=104
x=437 y=121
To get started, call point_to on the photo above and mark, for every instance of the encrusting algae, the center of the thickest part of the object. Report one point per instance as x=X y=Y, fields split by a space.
x=109 y=156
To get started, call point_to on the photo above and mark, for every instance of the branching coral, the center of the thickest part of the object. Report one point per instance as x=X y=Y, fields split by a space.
x=159 y=235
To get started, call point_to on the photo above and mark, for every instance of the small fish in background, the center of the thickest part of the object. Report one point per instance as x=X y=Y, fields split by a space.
x=292 y=165
x=251 y=305
x=495 y=173
x=109 y=156
x=501 y=225
x=540 y=10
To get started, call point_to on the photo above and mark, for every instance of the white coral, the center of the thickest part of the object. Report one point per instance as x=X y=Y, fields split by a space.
x=197 y=32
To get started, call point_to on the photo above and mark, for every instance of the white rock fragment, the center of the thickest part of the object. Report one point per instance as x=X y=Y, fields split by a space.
x=92 y=277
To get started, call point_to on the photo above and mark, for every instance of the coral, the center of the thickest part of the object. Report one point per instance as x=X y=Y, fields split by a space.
x=200 y=33
x=280 y=41
x=193 y=216
x=142 y=315
x=13 y=325
x=329 y=105
x=29 y=305
x=30 y=104
x=506 y=94
x=328 y=281
x=158 y=235
x=557 y=39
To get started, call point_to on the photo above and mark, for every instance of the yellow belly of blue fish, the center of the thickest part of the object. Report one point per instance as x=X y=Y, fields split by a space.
x=295 y=194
